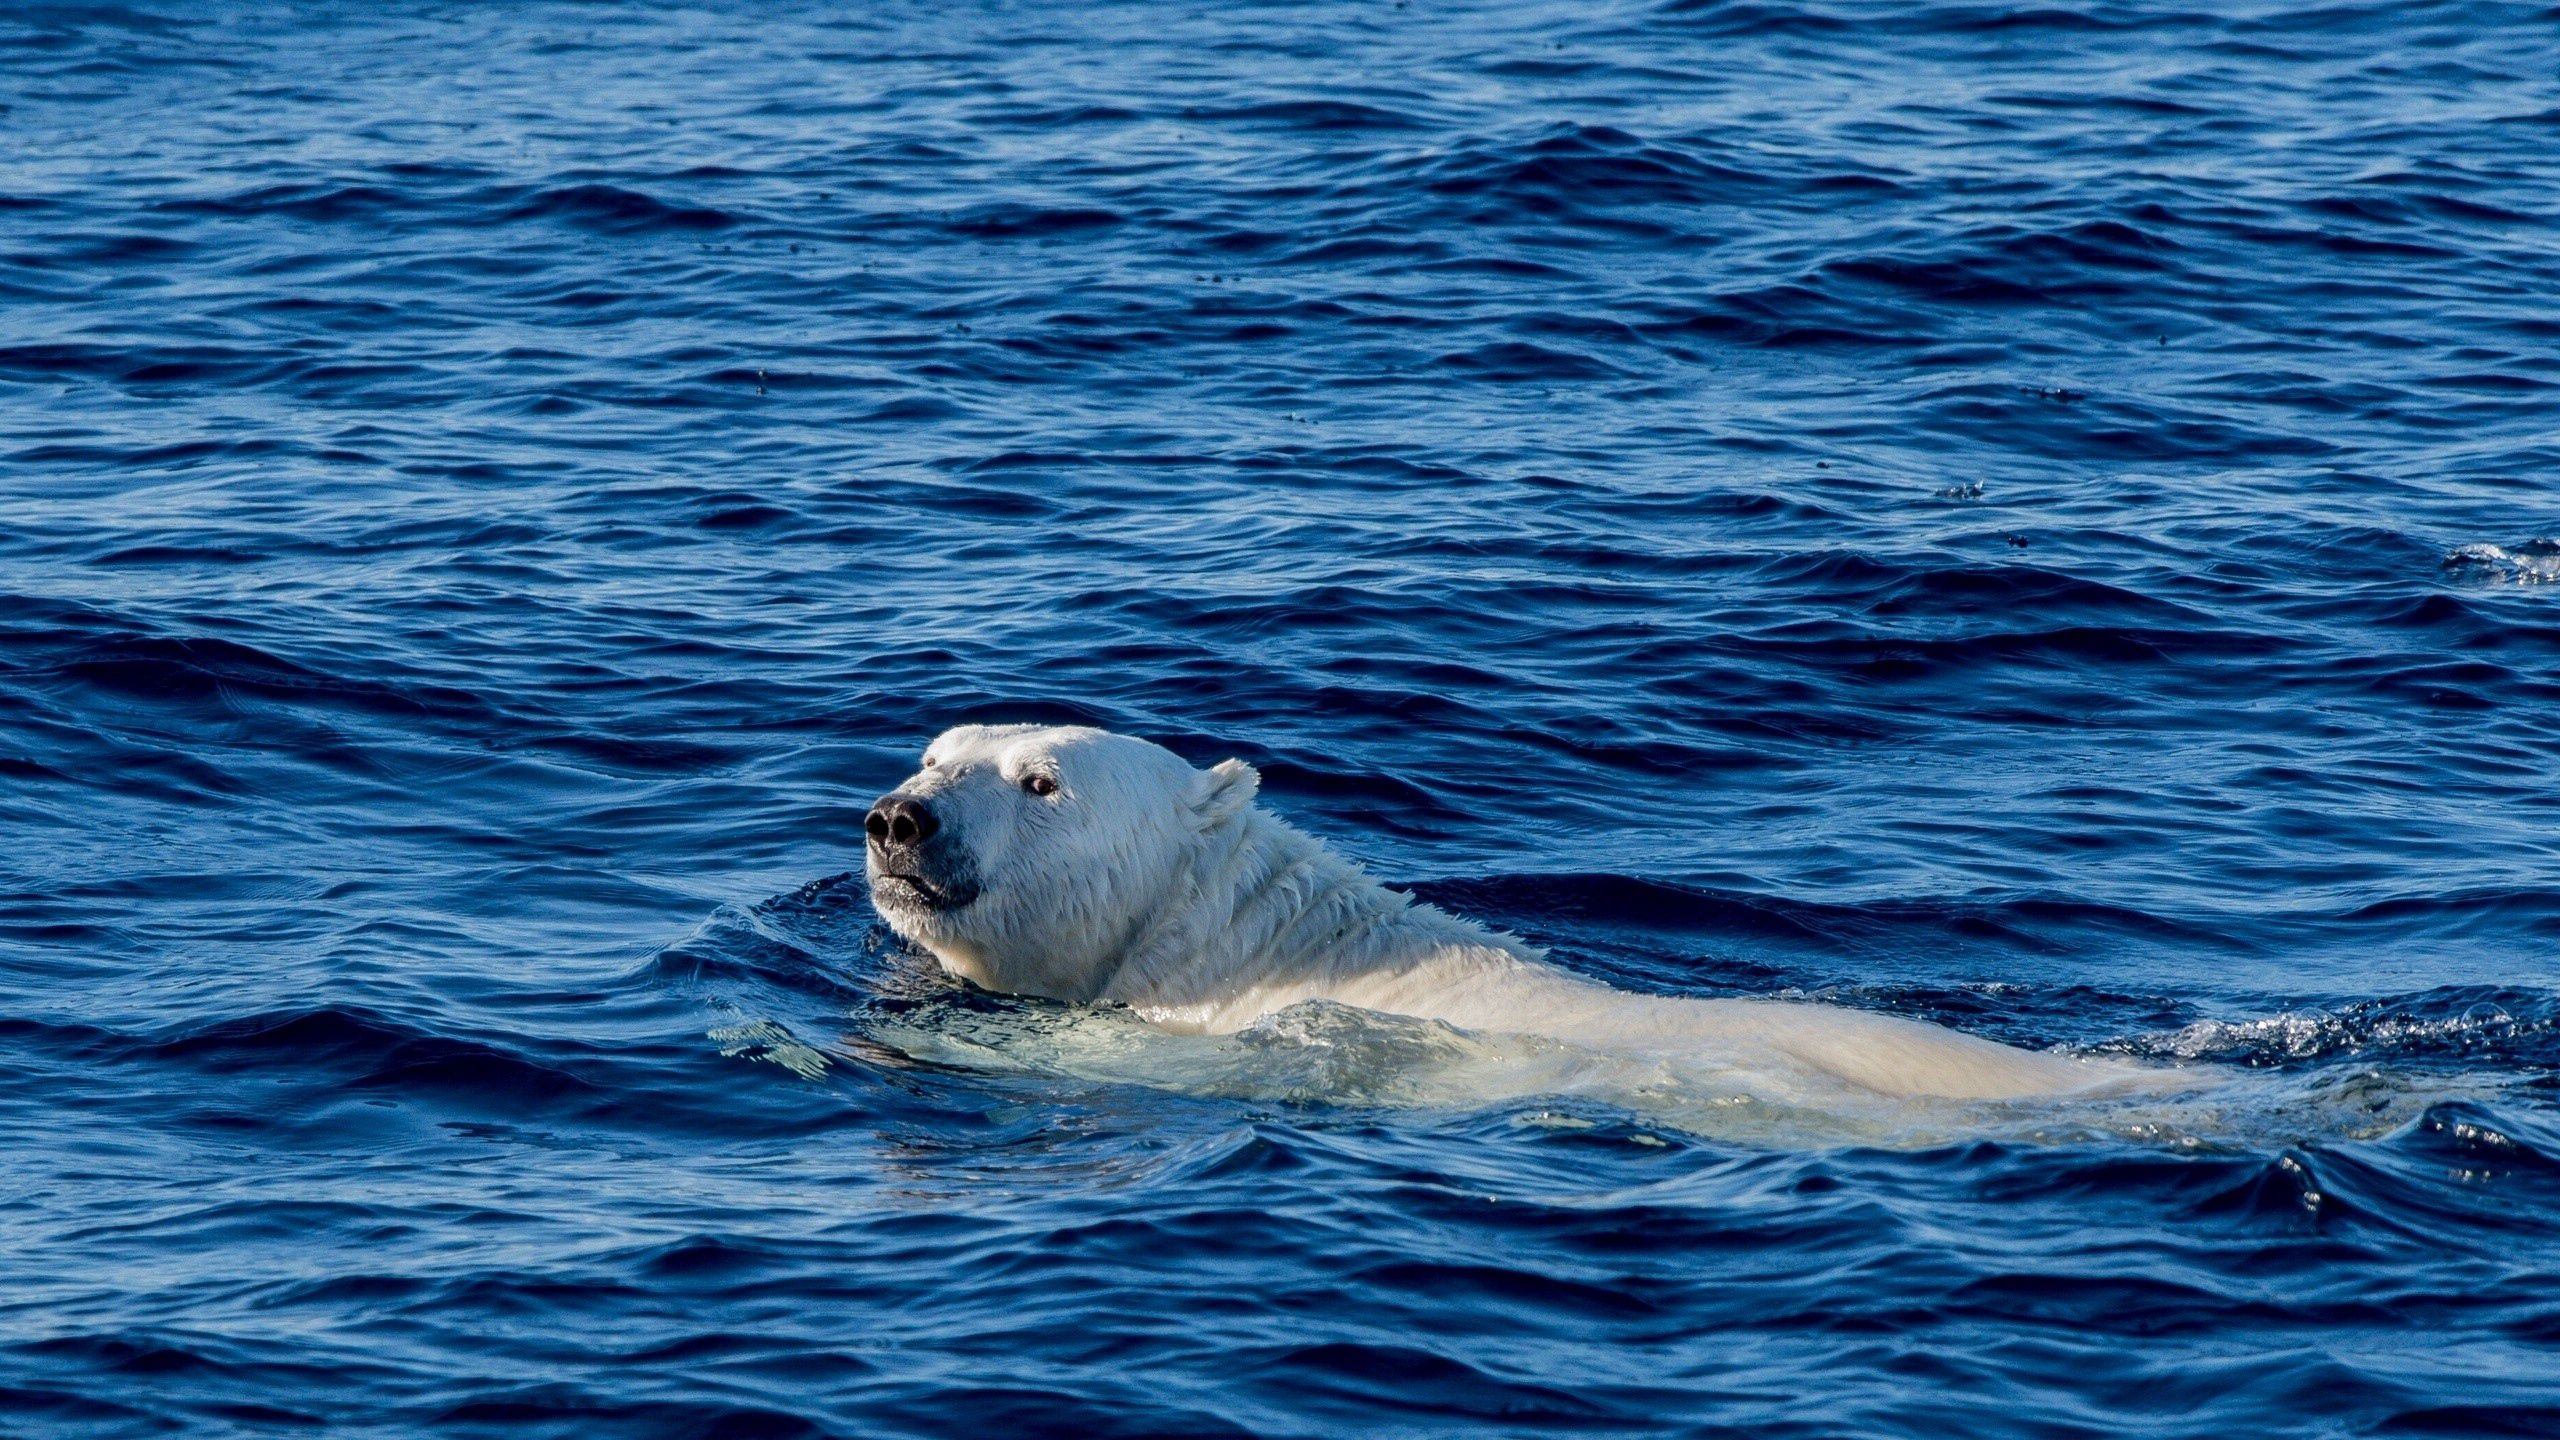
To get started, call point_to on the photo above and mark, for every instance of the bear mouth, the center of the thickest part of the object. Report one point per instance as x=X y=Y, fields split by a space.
x=892 y=886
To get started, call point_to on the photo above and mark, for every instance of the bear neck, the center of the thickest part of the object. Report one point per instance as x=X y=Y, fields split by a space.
x=1265 y=906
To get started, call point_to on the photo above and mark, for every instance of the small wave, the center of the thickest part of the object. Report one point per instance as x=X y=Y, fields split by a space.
x=1567 y=902
x=1579 y=173
x=321 y=202
x=783 y=946
x=2500 y=1027
x=2485 y=1143
x=615 y=210
x=1306 y=115
x=1518 y=360
x=2535 y=562
x=1741 y=19
x=368 y=1050
x=209 y=671
x=1011 y=221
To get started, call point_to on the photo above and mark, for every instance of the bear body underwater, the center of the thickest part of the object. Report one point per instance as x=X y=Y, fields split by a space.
x=1085 y=866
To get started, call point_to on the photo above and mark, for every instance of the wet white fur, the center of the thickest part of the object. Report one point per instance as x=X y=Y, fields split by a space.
x=1146 y=882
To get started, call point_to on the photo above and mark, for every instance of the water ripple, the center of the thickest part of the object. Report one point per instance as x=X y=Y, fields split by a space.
x=2020 y=516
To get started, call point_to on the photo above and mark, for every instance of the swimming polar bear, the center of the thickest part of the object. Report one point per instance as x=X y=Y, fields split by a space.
x=1088 y=867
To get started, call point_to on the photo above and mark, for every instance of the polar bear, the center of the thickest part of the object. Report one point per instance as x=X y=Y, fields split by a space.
x=1089 y=867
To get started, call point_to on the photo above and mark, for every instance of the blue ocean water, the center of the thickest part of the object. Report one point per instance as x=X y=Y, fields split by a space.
x=2025 y=516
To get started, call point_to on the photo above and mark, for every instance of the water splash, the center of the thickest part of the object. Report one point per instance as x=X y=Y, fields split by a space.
x=2535 y=562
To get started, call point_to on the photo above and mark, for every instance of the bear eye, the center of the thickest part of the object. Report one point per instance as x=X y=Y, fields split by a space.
x=930 y=762
x=1039 y=784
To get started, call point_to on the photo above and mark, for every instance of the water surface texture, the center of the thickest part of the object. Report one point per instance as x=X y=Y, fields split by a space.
x=2029 y=517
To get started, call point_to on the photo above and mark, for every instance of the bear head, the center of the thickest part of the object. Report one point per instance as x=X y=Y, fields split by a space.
x=1030 y=858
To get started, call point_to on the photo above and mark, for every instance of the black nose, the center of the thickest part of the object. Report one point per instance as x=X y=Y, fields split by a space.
x=899 y=820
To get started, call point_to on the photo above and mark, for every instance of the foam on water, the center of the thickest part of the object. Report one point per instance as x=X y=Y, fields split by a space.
x=2531 y=563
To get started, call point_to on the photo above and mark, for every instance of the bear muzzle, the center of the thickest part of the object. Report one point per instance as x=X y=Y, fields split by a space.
x=906 y=872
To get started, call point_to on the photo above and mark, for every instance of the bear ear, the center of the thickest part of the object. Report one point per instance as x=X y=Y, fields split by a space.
x=1226 y=788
